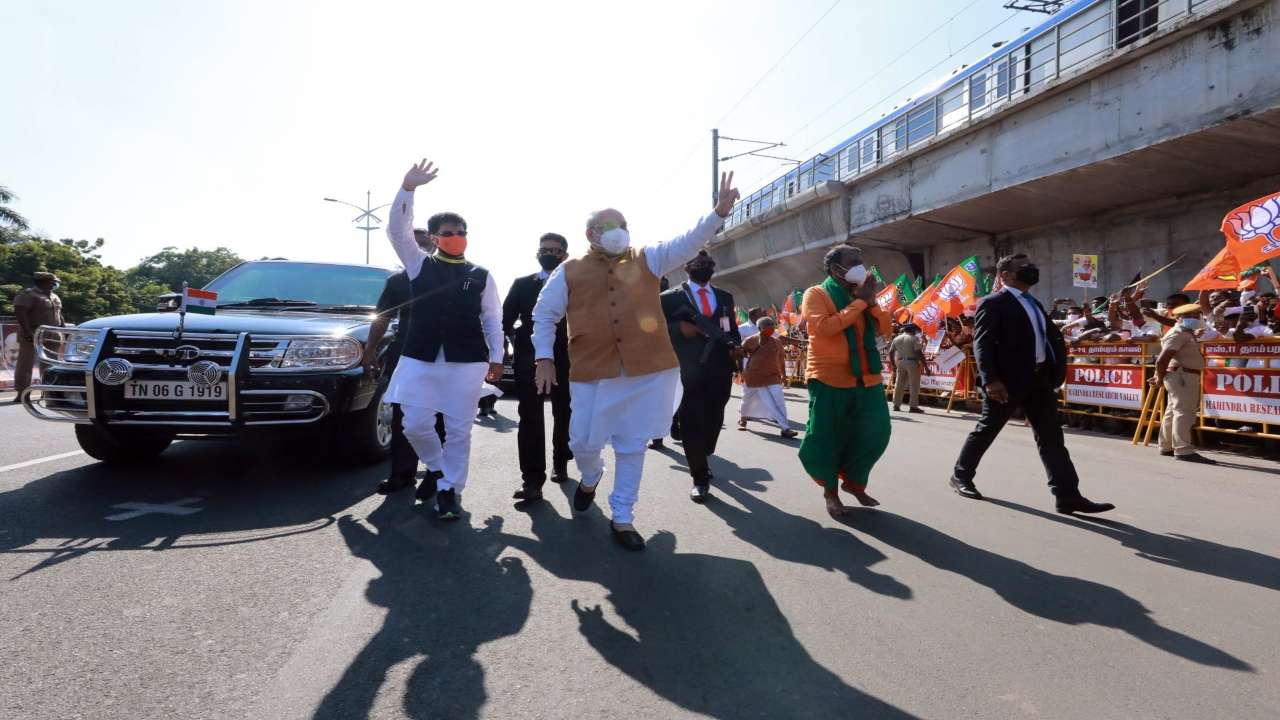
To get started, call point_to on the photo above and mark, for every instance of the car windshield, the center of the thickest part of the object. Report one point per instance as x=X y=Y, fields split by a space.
x=318 y=282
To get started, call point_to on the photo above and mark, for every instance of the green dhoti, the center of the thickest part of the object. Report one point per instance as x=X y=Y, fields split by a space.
x=847 y=433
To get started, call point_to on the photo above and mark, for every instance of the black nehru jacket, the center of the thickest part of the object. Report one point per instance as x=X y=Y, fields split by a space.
x=448 y=296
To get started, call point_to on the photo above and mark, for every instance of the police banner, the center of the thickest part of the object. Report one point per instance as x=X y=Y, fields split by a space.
x=1244 y=394
x=1116 y=386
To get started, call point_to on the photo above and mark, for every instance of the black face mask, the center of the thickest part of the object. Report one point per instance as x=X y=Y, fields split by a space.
x=549 y=262
x=1029 y=274
x=701 y=275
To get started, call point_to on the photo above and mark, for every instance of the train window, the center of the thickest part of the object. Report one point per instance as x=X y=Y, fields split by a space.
x=900 y=135
x=921 y=123
x=1136 y=19
x=824 y=171
x=779 y=186
x=952 y=106
x=978 y=91
x=1002 y=78
x=791 y=188
x=871 y=150
x=806 y=178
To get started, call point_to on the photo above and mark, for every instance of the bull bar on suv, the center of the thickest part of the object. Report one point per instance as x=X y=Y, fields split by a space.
x=263 y=375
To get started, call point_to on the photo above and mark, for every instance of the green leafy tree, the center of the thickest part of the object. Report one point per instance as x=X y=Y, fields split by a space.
x=89 y=288
x=171 y=267
x=11 y=223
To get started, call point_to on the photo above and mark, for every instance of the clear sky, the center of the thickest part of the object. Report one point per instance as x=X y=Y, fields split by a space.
x=225 y=123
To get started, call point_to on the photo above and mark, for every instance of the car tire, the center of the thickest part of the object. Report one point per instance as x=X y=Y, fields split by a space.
x=364 y=437
x=121 y=446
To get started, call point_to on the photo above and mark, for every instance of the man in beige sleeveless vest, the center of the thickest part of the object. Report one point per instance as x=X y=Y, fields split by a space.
x=624 y=378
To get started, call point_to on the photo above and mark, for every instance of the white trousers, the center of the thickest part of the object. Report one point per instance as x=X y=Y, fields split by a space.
x=628 y=461
x=453 y=458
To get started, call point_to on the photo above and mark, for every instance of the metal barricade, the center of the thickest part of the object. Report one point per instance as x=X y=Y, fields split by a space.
x=1240 y=389
x=1107 y=379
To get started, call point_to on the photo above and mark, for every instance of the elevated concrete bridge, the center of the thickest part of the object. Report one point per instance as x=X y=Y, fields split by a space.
x=1134 y=153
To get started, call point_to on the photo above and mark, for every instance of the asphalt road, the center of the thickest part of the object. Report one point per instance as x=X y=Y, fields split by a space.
x=225 y=581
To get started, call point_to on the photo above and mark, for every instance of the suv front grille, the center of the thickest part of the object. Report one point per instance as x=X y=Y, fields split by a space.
x=160 y=351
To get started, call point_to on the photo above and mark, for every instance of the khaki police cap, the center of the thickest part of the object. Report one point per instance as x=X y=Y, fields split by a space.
x=1187 y=309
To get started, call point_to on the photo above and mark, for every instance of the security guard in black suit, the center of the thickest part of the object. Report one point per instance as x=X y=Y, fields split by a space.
x=531 y=438
x=706 y=373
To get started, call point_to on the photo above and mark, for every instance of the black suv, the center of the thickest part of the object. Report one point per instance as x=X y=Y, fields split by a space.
x=282 y=351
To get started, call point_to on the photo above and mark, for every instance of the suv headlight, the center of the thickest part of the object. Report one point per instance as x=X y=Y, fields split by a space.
x=66 y=346
x=318 y=353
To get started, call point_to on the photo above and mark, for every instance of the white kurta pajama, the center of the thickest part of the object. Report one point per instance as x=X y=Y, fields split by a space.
x=624 y=411
x=765 y=404
x=453 y=389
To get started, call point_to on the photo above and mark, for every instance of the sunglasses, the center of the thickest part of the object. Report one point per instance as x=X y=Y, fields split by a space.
x=452 y=233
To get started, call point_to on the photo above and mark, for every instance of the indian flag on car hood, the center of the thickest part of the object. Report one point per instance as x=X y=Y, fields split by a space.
x=200 y=302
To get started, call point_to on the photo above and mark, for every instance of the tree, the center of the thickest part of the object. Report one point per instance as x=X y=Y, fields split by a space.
x=10 y=221
x=89 y=288
x=171 y=267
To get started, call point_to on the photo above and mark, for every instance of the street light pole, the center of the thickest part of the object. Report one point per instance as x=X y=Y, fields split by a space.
x=367 y=215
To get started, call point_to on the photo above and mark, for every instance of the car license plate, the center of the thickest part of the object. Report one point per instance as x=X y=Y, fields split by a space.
x=173 y=390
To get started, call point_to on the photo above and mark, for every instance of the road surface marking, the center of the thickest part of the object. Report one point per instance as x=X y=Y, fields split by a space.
x=138 y=509
x=37 y=461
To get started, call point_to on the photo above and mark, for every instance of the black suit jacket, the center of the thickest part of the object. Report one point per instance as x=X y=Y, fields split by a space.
x=518 y=306
x=689 y=350
x=1004 y=343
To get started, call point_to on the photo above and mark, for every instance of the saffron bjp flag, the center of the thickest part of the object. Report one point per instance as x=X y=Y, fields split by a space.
x=895 y=295
x=200 y=302
x=1222 y=273
x=948 y=297
x=1253 y=230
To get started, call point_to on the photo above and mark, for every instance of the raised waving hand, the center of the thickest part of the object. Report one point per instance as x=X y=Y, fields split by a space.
x=728 y=195
x=418 y=175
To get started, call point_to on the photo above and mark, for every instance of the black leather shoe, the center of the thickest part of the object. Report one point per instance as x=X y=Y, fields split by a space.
x=700 y=493
x=560 y=475
x=427 y=489
x=583 y=499
x=656 y=444
x=1081 y=504
x=1166 y=453
x=916 y=411
x=390 y=485
x=789 y=433
x=447 y=505
x=965 y=488
x=528 y=494
x=1195 y=458
x=629 y=539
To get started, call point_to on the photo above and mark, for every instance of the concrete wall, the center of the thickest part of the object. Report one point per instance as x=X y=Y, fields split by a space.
x=1141 y=238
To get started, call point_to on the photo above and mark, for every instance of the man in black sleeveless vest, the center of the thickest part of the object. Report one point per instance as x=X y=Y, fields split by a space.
x=453 y=344
x=532 y=437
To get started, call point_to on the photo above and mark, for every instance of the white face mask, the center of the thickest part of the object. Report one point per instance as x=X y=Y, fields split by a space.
x=1192 y=323
x=1073 y=316
x=856 y=274
x=615 y=241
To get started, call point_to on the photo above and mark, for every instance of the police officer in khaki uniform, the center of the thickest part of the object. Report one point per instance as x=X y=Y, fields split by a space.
x=1178 y=368
x=37 y=305
x=906 y=358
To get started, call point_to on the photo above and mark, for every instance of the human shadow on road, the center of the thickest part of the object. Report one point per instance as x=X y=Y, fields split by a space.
x=243 y=494
x=1063 y=599
x=701 y=631
x=799 y=540
x=1174 y=550
x=445 y=597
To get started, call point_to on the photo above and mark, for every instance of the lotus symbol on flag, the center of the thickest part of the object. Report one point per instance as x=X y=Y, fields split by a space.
x=931 y=314
x=884 y=300
x=1260 y=220
x=952 y=288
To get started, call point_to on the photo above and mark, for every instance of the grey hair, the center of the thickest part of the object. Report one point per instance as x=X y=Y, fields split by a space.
x=834 y=255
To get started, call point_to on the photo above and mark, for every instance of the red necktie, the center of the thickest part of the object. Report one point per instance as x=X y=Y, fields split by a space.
x=706 y=306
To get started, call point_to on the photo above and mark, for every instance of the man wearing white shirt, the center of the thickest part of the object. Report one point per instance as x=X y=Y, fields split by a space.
x=448 y=353
x=623 y=376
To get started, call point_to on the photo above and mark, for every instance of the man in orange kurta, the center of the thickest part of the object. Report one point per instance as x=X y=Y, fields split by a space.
x=848 y=426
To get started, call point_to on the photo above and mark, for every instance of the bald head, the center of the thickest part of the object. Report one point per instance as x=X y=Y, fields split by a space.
x=600 y=222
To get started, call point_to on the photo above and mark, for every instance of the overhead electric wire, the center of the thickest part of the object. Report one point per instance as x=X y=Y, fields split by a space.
x=756 y=84
x=880 y=103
